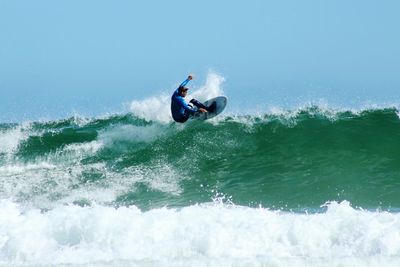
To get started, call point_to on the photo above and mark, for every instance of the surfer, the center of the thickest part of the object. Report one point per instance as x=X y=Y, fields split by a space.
x=181 y=111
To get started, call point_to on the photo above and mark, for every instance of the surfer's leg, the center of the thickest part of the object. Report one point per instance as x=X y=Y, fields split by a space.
x=197 y=103
x=201 y=105
x=185 y=117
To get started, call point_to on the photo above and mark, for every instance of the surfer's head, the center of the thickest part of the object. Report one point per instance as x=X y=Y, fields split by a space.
x=183 y=90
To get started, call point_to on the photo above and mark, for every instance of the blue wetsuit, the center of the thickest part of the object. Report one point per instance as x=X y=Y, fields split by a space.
x=179 y=108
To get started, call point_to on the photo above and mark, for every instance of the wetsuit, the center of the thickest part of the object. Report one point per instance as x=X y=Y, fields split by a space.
x=179 y=108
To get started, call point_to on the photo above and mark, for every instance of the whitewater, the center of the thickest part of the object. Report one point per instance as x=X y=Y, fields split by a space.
x=308 y=186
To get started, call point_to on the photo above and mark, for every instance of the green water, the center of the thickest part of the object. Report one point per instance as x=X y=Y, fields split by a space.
x=296 y=160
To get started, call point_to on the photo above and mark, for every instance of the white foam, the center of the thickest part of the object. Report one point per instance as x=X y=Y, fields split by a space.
x=158 y=108
x=131 y=134
x=160 y=176
x=84 y=148
x=200 y=235
x=11 y=138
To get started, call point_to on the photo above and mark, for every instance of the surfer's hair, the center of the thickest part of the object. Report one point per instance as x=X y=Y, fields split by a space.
x=182 y=89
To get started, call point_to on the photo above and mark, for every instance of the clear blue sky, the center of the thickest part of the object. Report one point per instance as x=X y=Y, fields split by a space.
x=90 y=57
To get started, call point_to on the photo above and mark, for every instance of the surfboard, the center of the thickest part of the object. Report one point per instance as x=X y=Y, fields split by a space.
x=220 y=102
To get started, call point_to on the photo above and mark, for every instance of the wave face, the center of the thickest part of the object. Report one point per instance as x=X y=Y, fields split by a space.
x=291 y=160
x=240 y=190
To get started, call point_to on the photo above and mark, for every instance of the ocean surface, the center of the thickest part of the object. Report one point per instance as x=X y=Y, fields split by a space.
x=312 y=185
x=304 y=187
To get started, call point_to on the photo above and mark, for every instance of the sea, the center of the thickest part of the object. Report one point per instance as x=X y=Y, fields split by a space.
x=312 y=185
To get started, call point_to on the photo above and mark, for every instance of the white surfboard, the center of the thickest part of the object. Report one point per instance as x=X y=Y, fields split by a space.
x=220 y=102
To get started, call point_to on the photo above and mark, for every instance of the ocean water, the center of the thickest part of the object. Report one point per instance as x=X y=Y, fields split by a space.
x=310 y=186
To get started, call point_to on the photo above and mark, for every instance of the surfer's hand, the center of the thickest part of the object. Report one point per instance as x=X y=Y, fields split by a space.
x=190 y=77
x=202 y=110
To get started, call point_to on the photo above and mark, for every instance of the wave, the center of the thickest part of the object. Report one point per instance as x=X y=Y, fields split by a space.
x=291 y=160
x=199 y=235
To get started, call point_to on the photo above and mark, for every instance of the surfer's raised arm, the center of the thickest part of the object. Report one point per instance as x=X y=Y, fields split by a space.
x=183 y=84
